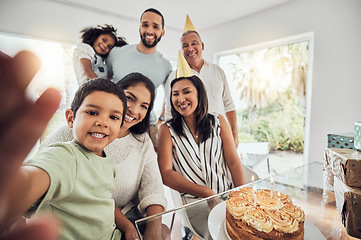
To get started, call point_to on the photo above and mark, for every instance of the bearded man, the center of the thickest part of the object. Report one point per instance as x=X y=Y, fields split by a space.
x=143 y=57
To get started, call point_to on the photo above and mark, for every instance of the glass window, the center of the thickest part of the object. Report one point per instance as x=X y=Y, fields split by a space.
x=269 y=90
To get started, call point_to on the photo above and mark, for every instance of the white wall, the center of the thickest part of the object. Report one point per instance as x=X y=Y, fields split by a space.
x=336 y=77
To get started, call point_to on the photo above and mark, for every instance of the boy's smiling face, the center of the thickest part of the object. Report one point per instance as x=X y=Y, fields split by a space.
x=97 y=122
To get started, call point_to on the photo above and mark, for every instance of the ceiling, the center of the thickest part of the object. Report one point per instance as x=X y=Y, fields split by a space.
x=205 y=14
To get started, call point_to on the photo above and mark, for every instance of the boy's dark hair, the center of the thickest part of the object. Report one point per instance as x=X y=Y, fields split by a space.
x=133 y=79
x=153 y=11
x=89 y=35
x=204 y=121
x=98 y=84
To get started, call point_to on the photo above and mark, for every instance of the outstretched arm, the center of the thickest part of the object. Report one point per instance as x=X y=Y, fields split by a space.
x=22 y=123
x=28 y=185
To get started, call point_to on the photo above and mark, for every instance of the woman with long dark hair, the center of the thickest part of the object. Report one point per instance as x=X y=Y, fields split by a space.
x=196 y=153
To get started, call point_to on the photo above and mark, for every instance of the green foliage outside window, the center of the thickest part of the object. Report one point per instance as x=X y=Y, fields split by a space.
x=271 y=83
x=282 y=125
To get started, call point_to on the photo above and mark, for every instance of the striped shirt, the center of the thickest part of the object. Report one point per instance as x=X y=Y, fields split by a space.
x=202 y=164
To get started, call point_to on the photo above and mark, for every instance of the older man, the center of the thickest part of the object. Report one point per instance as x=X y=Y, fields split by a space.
x=213 y=77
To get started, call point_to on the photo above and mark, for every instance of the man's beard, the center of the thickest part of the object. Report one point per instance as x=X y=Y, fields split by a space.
x=156 y=41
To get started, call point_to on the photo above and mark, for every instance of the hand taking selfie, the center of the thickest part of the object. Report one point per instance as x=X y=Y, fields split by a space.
x=22 y=122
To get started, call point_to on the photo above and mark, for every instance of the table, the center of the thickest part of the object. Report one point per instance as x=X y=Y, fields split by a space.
x=304 y=184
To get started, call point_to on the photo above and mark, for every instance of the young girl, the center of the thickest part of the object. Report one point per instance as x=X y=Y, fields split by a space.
x=89 y=56
x=138 y=183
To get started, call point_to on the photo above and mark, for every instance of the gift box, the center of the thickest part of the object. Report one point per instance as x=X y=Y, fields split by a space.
x=328 y=195
x=348 y=203
x=357 y=140
x=340 y=140
x=344 y=164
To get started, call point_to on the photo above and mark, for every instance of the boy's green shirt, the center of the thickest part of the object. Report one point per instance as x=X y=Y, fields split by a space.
x=80 y=191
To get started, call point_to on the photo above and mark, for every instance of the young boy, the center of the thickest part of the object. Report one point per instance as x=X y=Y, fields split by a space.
x=73 y=181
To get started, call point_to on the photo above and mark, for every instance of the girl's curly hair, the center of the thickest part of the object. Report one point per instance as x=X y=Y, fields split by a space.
x=89 y=35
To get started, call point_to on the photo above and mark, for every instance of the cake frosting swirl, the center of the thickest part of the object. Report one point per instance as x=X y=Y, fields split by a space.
x=264 y=220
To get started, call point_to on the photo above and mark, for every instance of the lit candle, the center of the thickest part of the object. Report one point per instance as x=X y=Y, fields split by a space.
x=255 y=199
x=252 y=184
x=272 y=186
x=278 y=201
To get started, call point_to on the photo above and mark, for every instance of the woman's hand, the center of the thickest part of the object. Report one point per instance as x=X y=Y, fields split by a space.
x=205 y=191
x=153 y=231
x=156 y=231
x=154 y=228
x=213 y=202
x=124 y=225
x=131 y=234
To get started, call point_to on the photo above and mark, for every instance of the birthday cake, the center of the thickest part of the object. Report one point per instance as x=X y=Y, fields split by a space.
x=257 y=215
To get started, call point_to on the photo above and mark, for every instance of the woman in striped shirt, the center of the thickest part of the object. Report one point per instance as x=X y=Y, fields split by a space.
x=196 y=152
x=197 y=155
